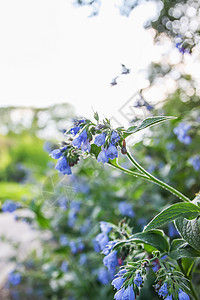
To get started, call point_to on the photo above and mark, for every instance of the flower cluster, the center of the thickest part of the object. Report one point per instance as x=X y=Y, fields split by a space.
x=195 y=162
x=85 y=136
x=9 y=206
x=163 y=291
x=182 y=133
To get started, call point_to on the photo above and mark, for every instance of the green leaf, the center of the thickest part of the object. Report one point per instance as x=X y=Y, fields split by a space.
x=188 y=265
x=190 y=231
x=179 y=249
x=173 y=212
x=154 y=238
x=95 y=150
x=147 y=123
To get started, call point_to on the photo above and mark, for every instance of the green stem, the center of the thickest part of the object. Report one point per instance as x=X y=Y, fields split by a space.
x=128 y=171
x=159 y=182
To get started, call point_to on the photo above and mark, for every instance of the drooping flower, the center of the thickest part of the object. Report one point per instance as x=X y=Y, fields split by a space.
x=75 y=130
x=138 y=279
x=108 y=248
x=64 y=266
x=105 y=227
x=102 y=239
x=86 y=147
x=100 y=139
x=163 y=291
x=119 y=294
x=169 y=297
x=112 y=152
x=111 y=261
x=9 y=206
x=73 y=247
x=63 y=166
x=103 y=157
x=80 y=139
x=182 y=295
x=63 y=240
x=118 y=282
x=56 y=153
x=103 y=276
x=14 y=278
x=126 y=209
x=129 y=293
x=114 y=138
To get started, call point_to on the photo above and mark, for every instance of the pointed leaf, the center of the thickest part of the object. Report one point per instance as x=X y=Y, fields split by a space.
x=190 y=231
x=173 y=212
x=180 y=249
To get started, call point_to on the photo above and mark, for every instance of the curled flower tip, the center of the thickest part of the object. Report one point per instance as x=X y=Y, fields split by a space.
x=100 y=139
x=112 y=152
x=182 y=295
x=103 y=157
x=138 y=279
x=56 y=154
x=114 y=137
x=63 y=166
x=163 y=291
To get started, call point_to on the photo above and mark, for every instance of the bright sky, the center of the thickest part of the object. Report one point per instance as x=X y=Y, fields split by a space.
x=52 y=52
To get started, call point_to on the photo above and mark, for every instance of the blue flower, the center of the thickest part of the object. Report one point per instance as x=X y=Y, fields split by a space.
x=71 y=218
x=63 y=240
x=103 y=157
x=63 y=166
x=80 y=245
x=169 y=297
x=111 y=261
x=172 y=231
x=64 y=266
x=102 y=239
x=73 y=247
x=100 y=139
x=83 y=259
x=14 y=278
x=103 y=276
x=181 y=131
x=108 y=248
x=118 y=282
x=80 y=139
x=112 y=152
x=182 y=295
x=114 y=138
x=9 y=206
x=75 y=130
x=129 y=293
x=105 y=227
x=56 y=153
x=96 y=245
x=86 y=147
x=195 y=162
x=138 y=279
x=119 y=294
x=126 y=209
x=163 y=291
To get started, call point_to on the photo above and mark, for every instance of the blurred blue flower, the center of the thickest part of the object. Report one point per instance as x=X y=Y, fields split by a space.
x=114 y=138
x=126 y=209
x=96 y=245
x=170 y=146
x=80 y=245
x=83 y=259
x=62 y=202
x=102 y=239
x=80 y=139
x=14 y=278
x=73 y=247
x=182 y=295
x=86 y=147
x=75 y=130
x=9 y=206
x=169 y=297
x=64 y=266
x=102 y=156
x=111 y=261
x=195 y=162
x=112 y=152
x=163 y=291
x=63 y=240
x=100 y=139
x=56 y=153
x=63 y=166
x=108 y=248
x=181 y=132
x=72 y=216
x=105 y=227
x=138 y=279
x=103 y=276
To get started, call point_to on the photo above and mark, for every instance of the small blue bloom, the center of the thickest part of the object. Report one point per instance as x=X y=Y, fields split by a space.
x=169 y=297
x=112 y=152
x=14 y=278
x=129 y=293
x=86 y=147
x=80 y=245
x=111 y=261
x=103 y=157
x=126 y=209
x=63 y=166
x=56 y=154
x=64 y=240
x=181 y=131
x=138 y=279
x=108 y=248
x=105 y=227
x=170 y=146
x=83 y=259
x=80 y=139
x=9 y=206
x=96 y=245
x=75 y=130
x=114 y=138
x=102 y=239
x=182 y=295
x=73 y=247
x=100 y=139
x=118 y=282
x=64 y=266
x=103 y=276
x=195 y=162
x=62 y=202
x=163 y=291
x=119 y=294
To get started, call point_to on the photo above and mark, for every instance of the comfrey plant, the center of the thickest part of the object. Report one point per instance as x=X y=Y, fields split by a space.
x=130 y=257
